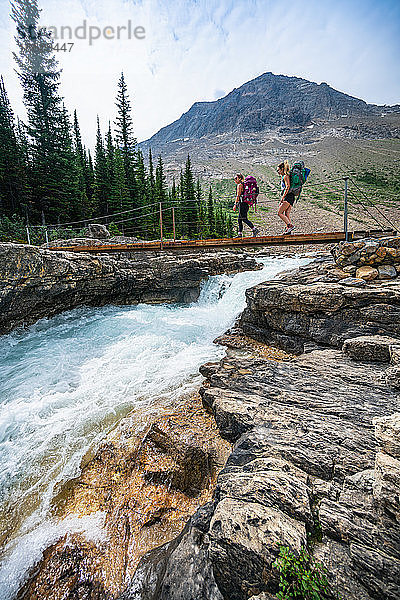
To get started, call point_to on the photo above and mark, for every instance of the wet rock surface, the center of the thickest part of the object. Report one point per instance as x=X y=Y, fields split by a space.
x=147 y=480
x=36 y=283
x=315 y=460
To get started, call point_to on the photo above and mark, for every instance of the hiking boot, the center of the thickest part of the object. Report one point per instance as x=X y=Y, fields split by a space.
x=255 y=232
x=239 y=235
x=288 y=229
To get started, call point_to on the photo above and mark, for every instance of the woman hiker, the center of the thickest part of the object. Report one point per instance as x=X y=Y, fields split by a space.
x=243 y=206
x=287 y=197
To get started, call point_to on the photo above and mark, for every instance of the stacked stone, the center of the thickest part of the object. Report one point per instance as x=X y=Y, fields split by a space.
x=370 y=258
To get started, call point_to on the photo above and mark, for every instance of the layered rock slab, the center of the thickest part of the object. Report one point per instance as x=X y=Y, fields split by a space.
x=316 y=450
x=306 y=466
x=315 y=305
x=36 y=283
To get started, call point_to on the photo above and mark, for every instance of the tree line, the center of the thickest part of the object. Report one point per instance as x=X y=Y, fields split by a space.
x=48 y=176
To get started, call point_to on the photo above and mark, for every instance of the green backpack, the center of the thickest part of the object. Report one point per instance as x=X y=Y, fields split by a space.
x=298 y=176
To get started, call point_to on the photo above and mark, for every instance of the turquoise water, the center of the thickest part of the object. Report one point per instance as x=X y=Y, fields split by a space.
x=65 y=382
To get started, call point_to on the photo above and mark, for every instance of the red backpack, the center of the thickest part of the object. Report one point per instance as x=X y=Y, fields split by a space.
x=250 y=190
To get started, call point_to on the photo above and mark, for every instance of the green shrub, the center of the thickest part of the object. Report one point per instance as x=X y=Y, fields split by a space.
x=12 y=229
x=301 y=576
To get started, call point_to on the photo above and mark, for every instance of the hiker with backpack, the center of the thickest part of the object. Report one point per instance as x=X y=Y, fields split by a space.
x=246 y=195
x=292 y=180
x=287 y=197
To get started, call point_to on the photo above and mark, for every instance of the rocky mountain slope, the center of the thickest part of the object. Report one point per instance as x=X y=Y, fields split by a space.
x=266 y=102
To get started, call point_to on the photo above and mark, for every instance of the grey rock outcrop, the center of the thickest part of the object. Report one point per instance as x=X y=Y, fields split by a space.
x=316 y=459
x=307 y=463
x=37 y=283
x=369 y=348
x=313 y=305
x=98 y=231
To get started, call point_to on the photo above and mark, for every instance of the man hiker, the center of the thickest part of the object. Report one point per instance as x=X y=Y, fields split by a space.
x=243 y=206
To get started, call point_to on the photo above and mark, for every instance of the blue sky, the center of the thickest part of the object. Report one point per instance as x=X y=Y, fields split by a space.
x=201 y=49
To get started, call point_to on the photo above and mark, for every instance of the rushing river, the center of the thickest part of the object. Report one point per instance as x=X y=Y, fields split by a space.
x=65 y=382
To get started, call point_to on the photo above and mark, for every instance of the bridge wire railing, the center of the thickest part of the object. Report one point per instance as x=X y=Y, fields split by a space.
x=163 y=221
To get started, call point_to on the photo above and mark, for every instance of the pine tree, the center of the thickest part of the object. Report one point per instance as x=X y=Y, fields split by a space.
x=12 y=168
x=189 y=200
x=90 y=189
x=72 y=201
x=110 y=170
x=52 y=171
x=121 y=196
x=161 y=196
x=143 y=223
x=101 y=183
x=174 y=199
x=210 y=215
x=125 y=138
x=152 y=208
x=85 y=183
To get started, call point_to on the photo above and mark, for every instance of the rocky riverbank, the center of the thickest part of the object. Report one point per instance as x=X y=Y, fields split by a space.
x=315 y=461
x=316 y=458
x=37 y=283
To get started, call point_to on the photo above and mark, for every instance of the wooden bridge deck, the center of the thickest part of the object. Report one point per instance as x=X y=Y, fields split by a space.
x=267 y=240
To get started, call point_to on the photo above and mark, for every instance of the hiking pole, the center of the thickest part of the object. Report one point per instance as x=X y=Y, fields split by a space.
x=346 y=233
x=28 y=236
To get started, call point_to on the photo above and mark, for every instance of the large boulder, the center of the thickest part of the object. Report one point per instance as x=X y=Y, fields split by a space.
x=98 y=231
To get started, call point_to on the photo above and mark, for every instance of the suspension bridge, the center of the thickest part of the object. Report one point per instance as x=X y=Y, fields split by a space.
x=167 y=224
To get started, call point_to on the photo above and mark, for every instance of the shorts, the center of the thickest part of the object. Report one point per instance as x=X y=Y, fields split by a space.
x=290 y=197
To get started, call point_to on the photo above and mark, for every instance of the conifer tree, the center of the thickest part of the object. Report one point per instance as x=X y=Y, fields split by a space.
x=151 y=197
x=143 y=223
x=72 y=201
x=83 y=168
x=181 y=215
x=101 y=183
x=210 y=214
x=161 y=196
x=190 y=205
x=90 y=185
x=121 y=196
x=52 y=172
x=125 y=138
x=174 y=199
x=12 y=168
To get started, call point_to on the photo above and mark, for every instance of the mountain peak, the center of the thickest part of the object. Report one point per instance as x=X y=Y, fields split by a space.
x=265 y=102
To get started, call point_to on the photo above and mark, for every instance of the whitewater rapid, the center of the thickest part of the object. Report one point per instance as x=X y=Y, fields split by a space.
x=65 y=383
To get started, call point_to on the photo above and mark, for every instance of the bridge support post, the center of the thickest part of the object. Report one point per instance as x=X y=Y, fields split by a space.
x=345 y=216
x=173 y=222
x=161 y=231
